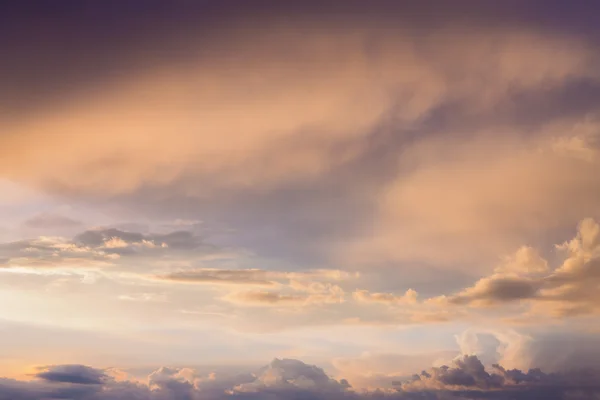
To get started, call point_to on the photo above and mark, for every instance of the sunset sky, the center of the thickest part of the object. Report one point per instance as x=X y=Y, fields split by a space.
x=342 y=193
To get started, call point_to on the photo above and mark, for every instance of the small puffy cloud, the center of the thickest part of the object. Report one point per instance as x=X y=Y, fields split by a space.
x=364 y=296
x=115 y=243
x=526 y=260
x=289 y=374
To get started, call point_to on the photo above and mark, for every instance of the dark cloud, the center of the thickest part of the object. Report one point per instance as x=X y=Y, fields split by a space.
x=56 y=51
x=79 y=374
x=469 y=378
x=499 y=290
x=467 y=371
x=292 y=379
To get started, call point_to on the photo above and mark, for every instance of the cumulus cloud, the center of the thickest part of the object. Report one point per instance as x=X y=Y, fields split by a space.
x=288 y=378
x=569 y=289
x=292 y=374
x=526 y=260
x=468 y=378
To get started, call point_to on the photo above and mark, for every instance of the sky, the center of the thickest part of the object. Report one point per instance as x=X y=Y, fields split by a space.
x=299 y=200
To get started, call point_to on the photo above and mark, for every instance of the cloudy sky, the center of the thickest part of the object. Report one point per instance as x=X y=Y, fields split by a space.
x=271 y=199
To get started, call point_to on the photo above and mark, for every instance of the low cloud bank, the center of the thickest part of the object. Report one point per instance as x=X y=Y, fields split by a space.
x=466 y=378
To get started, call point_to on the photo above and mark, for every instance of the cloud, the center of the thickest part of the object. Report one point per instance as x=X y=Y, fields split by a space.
x=450 y=188
x=212 y=276
x=378 y=370
x=329 y=294
x=414 y=152
x=468 y=371
x=143 y=297
x=266 y=298
x=305 y=281
x=100 y=247
x=526 y=260
x=499 y=346
x=289 y=374
x=302 y=290
x=78 y=374
x=364 y=296
x=288 y=378
x=112 y=238
x=51 y=221
x=468 y=378
x=378 y=182
x=497 y=289
x=571 y=289
x=53 y=252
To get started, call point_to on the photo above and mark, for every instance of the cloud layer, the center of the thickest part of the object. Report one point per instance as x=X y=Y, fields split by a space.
x=266 y=179
x=288 y=378
x=367 y=135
